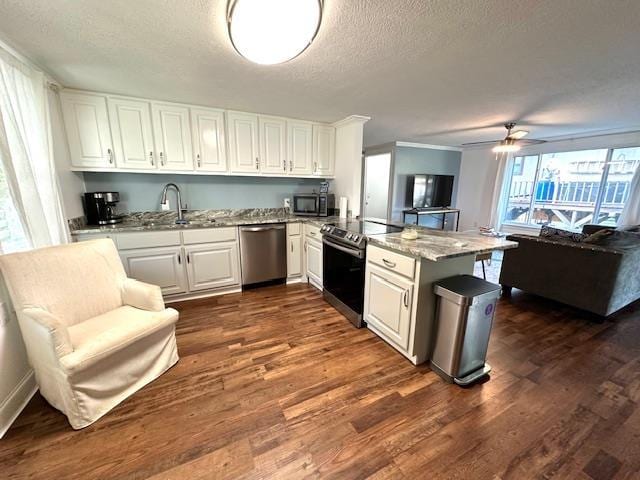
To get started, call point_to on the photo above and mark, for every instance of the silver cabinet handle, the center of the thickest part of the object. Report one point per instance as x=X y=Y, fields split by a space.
x=179 y=260
x=389 y=263
x=257 y=164
x=312 y=233
x=161 y=159
x=406 y=298
x=315 y=167
x=291 y=165
x=110 y=154
x=188 y=258
x=198 y=157
x=284 y=165
x=305 y=245
x=291 y=246
x=151 y=158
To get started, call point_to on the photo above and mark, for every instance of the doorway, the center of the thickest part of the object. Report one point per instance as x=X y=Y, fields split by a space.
x=377 y=173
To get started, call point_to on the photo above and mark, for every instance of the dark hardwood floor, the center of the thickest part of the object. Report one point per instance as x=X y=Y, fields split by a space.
x=274 y=383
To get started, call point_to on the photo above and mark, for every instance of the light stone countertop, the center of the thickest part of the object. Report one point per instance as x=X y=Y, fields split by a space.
x=437 y=245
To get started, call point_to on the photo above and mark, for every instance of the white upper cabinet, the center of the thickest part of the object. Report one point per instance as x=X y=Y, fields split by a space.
x=324 y=150
x=132 y=133
x=172 y=135
x=273 y=145
x=299 y=148
x=242 y=136
x=87 y=124
x=209 y=148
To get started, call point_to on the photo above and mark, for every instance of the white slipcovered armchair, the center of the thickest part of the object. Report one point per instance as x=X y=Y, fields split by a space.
x=93 y=336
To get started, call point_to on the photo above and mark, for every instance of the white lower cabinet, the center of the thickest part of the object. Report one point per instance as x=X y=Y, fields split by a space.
x=313 y=261
x=294 y=250
x=212 y=265
x=162 y=266
x=387 y=303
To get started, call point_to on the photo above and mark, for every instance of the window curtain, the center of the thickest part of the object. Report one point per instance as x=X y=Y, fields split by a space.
x=500 y=190
x=630 y=215
x=26 y=157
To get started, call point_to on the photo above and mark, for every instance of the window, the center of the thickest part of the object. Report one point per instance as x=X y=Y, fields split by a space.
x=570 y=189
x=12 y=237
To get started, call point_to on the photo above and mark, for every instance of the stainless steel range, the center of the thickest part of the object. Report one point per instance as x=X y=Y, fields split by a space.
x=344 y=252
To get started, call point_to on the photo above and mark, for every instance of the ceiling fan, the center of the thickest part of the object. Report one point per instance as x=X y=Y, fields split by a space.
x=511 y=143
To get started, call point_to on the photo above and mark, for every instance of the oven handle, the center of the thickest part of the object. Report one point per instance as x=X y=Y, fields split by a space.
x=351 y=251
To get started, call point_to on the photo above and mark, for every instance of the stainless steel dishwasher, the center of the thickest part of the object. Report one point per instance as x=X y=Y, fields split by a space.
x=263 y=253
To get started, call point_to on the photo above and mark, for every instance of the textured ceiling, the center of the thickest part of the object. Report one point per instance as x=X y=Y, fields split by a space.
x=425 y=71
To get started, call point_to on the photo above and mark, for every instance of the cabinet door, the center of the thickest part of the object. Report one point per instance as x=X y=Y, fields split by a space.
x=157 y=266
x=172 y=135
x=212 y=265
x=300 y=148
x=132 y=133
x=242 y=135
x=294 y=256
x=313 y=254
x=87 y=125
x=387 y=305
x=324 y=150
x=273 y=145
x=209 y=145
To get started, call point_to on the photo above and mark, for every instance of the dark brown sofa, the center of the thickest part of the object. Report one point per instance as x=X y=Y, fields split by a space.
x=598 y=279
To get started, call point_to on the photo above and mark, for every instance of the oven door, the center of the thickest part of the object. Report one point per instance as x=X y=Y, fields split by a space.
x=305 y=205
x=343 y=279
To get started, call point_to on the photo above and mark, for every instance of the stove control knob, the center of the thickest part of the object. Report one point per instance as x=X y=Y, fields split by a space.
x=356 y=238
x=349 y=236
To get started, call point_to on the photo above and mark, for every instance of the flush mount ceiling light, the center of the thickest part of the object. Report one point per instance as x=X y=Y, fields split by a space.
x=272 y=31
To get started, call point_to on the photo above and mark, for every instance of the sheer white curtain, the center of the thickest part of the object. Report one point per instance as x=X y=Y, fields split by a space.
x=630 y=215
x=28 y=175
x=500 y=190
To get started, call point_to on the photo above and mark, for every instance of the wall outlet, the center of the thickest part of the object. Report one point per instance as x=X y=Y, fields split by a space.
x=287 y=204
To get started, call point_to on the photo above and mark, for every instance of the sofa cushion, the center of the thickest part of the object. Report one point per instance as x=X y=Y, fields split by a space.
x=124 y=322
x=618 y=239
x=561 y=235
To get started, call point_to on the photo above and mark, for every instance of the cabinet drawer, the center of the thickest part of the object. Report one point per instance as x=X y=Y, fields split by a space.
x=127 y=241
x=392 y=261
x=209 y=235
x=312 y=231
x=293 y=229
x=83 y=237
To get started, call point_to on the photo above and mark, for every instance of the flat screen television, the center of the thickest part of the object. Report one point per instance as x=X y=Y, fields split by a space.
x=429 y=191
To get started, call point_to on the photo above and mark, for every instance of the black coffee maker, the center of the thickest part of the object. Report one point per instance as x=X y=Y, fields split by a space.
x=100 y=207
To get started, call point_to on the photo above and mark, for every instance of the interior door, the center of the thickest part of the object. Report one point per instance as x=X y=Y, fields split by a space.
x=132 y=133
x=88 y=132
x=158 y=266
x=273 y=145
x=300 y=148
x=209 y=145
x=212 y=265
x=387 y=302
x=242 y=135
x=377 y=171
x=172 y=135
x=324 y=150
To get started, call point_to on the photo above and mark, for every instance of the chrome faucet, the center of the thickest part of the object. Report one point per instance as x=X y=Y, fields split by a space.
x=163 y=201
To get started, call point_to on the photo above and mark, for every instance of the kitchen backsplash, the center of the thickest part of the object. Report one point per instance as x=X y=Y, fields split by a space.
x=141 y=192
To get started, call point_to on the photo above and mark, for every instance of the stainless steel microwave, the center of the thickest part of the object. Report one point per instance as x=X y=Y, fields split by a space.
x=314 y=204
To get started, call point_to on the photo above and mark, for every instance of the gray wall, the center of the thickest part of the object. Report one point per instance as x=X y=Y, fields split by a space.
x=410 y=160
x=141 y=192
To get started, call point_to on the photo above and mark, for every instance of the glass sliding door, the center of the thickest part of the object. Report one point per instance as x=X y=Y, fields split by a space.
x=620 y=170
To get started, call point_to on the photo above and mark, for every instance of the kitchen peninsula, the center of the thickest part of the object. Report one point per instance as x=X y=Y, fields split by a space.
x=202 y=258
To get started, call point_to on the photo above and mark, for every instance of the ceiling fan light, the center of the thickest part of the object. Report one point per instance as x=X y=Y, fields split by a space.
x=268 y=32
x=506 y=146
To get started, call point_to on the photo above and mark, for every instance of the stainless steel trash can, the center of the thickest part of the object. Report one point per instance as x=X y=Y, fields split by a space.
x=464 y=317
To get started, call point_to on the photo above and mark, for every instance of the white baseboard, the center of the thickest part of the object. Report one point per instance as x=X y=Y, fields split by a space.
x=16 y=401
